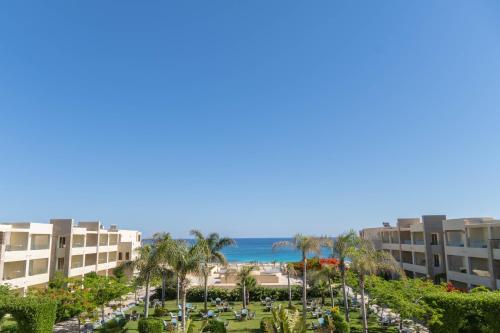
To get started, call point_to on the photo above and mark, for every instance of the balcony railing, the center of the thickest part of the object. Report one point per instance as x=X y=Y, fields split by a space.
x=78 y=244
x=14 y=274
x=418 y=241
x=455 y=243
x=16 y=247
x=406 y=241
x=478 y=243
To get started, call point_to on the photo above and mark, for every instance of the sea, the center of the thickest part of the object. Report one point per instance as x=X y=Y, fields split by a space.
x=259 y=250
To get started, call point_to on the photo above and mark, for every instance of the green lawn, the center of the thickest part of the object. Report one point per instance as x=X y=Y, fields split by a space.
x=253 y=325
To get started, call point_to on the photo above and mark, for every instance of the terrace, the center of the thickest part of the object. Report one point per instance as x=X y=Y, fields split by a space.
x=455 y=238
x=18 y=241
x=420 y=259
x=478 y=237
x=457 y=264
x=14 y=270
x=479 y=267
x=38 y=266
x=40 y=242
x=418 y=238
x=405 y=237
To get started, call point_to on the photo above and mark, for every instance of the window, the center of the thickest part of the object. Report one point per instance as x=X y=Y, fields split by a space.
x=138 y=238
x=120 y=256
x=436 y=260
x=127 y=256
x=434 y=239
x=62 y=242
x=60 y=264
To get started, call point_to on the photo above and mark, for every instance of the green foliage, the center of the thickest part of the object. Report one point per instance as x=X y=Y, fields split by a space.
x=150 y=325
x=160 y=312
x=114 y=326
x=214 y=326
x=480 y=289
x=196 y=294
x=338 y=322
x=32 y=314
x=283 y=321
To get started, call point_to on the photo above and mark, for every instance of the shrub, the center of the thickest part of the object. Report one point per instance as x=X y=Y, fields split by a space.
x=32 y=314
x=339 y=323
x=114 y=326
x=150 y=325
x=214 y=326
x=160 y=312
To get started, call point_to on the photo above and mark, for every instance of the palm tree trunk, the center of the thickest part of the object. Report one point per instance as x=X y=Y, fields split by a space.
x=163 y=288
x=363 y=306
x=146 y=299
x=289 y=292
x=304 y=288
x=183 y=308
x=205 y=284
x=331 y=293
x=178 y=291
x=344 y=294
x=244 y=296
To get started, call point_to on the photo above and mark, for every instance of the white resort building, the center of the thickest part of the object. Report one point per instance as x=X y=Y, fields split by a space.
x=32 y=253
x=466 y=251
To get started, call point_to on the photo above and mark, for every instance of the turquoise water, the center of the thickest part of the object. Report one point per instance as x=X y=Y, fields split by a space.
x=260 y=250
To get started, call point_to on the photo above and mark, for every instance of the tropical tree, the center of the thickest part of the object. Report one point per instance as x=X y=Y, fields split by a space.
x=212 y=246
x=163 y=243
x=244 y=277
x=330 y=273
x=306 y=245
x=284 y=321
x=340 y=248
x=290 y=271
x=367 y=261
x=147 y=264
x=185 y=259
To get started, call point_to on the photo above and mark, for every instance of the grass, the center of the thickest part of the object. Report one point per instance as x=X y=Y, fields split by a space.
x=252 y=326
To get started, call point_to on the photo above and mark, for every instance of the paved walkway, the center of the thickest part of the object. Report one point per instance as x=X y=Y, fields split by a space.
x=71 y=326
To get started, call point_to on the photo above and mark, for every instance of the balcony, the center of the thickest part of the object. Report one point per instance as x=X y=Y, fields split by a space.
x=90 y=259
x=18 y=242
x=479 y=267
x=478 y=237
x=14 y=270
x=77 y=261
x=38 y=266
x=103 y=258
x=103 y=240
x=91 y=240
x=113 y=239
x=420 y=259
x=407 y=257
x=78 y=241
x=418 y=238
x=457 y=264
x=40 y=242
x=455 y=238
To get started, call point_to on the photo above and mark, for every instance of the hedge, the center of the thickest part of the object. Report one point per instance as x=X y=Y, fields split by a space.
x=461 y=312
x=196 y=294
x=214 y=326
x=32 y=314
x=150 y=325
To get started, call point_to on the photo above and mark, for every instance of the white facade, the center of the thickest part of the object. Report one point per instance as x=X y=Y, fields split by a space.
x=25 y=255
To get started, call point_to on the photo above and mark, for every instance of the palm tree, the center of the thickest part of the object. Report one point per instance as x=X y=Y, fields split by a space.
x=306 y=245
x=243 y=277
x=212 y=245
x=163 y=242
x=330 y=273
x=340 y=248
x=290 y=271
x=147 y=265
x=284 y=321
x=185 y=259
x=366 y=260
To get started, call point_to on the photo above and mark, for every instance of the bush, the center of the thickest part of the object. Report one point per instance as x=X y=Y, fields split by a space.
x=214 y=326
x=150 y=325
x=160 y=312
x=32 y=314
x=339 y=322
x=461 y=312
x=114 y=326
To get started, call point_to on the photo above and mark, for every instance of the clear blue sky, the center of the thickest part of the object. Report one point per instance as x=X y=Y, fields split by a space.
x=250 y=118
